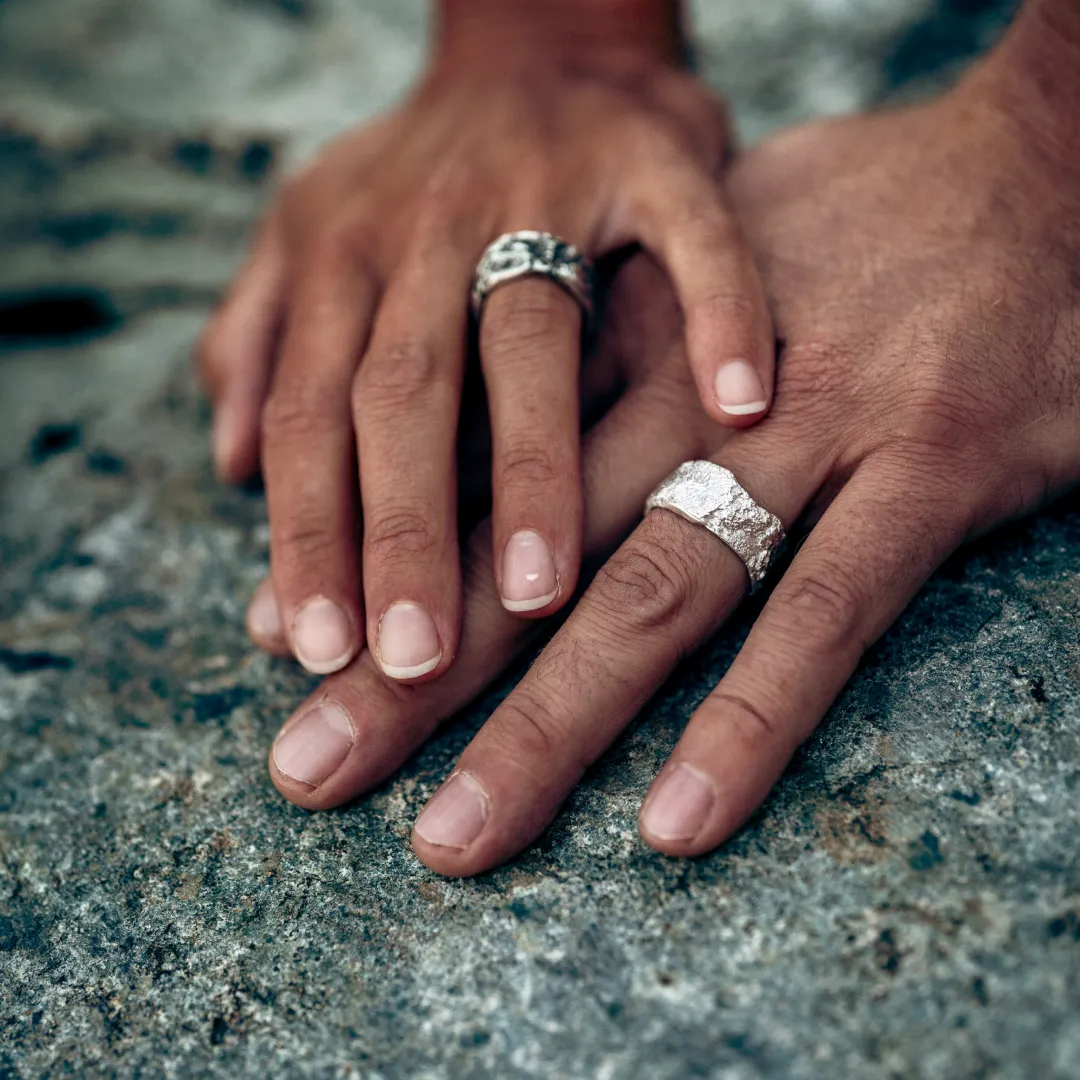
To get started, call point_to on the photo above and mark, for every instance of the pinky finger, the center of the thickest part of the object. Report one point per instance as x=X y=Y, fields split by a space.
x=263 y=621
x=236 y=354
x=686 y=223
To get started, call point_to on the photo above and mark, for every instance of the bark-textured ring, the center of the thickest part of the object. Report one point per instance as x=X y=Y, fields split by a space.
x=528 y=254
x=708 y=494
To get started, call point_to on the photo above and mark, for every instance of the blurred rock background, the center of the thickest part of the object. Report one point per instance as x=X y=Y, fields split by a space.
x=907 y=904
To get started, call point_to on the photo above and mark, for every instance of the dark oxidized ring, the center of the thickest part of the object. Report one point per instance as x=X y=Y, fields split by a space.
x=528 y=254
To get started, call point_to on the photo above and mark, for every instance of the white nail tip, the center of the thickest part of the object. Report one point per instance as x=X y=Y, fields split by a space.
x=413 y=672
x=529 y=605
x=744 y=410
x=327 y=667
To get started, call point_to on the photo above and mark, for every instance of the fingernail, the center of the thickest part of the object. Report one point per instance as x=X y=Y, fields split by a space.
x=263 y=614
x=322 y=636
x=529 y=580
x=312 y=749
x=408 y=641
x=738 y=389
x=679 y=807
x=456 y=815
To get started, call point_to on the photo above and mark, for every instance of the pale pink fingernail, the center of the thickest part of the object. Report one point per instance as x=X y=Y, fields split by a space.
x=738 y=389
x=529 y=580
x=313 y=748
x=679 y=807
x=322 y=636
x=408 y=641
x=456 y=814
x=263 y=613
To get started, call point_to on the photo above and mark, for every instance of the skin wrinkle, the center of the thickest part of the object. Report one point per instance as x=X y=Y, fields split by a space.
x=650 y=578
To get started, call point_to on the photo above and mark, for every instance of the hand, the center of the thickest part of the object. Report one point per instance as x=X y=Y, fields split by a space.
x=923 y=269
x=363 y=270
x=358 y=728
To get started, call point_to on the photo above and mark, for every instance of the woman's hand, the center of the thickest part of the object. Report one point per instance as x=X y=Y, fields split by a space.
x=363 y=271
x=923 y=268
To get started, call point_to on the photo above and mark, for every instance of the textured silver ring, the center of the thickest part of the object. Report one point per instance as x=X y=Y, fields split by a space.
x=708 y=494
x=527 y=254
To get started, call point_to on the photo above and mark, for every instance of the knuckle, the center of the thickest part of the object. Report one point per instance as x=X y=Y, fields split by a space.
x=399 y=535
x=446 y=196
x=288 y=417
x=340 y=245
x=947 y=392
x=530 y=729
x=822 y=610
x=302 y=540
x=334 y=248
x=818 y=380
x=932 y=409
x=731 y=306
x=752 y=723
x=647 y=582
x=394 y=376
x=527 y=463
x=814 y=369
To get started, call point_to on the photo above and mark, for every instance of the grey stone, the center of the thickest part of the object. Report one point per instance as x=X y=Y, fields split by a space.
x=906 y=904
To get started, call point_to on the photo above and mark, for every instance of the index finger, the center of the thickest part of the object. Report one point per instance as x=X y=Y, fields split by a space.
x=687 y=223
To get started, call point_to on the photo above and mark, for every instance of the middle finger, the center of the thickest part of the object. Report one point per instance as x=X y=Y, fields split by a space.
x=405 y=403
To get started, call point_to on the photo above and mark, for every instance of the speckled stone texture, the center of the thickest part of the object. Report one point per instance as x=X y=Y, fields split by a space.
x=906 y=905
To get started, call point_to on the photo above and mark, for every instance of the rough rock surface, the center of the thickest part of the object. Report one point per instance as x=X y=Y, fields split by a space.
x=906 y=905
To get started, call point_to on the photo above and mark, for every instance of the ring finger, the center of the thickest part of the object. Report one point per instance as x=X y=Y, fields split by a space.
x=530 y=345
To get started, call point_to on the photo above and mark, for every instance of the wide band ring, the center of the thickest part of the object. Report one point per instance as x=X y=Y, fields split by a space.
x=708 y=494
x=527 y=254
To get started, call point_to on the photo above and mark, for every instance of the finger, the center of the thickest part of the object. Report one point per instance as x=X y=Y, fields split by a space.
x=406 y=399
x=688 y=225
x=530 y=339
x=359 y=728
x=636 y=421
x=658 y=598
x=236 y=354
x=310 y=465
x=263 y=621
x=871 y=552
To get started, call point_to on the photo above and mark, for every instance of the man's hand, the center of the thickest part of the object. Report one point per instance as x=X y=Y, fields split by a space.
x=359 y=284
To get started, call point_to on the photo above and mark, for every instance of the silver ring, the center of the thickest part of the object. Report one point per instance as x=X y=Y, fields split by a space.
x=709 y=495
x=524 y=254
